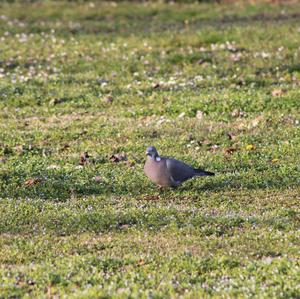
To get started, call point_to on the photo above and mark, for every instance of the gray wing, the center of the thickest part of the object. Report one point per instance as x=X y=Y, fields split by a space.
x=179 y=171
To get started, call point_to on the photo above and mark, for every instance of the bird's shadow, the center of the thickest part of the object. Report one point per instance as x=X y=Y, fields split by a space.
x=226 y=182
x=62 y=186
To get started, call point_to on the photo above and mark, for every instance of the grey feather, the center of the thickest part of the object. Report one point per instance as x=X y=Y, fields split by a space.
x=179 y=171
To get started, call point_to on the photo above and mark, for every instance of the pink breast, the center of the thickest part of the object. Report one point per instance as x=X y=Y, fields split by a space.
x=156 y=172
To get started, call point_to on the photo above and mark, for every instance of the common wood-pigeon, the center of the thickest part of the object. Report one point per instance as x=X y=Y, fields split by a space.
x=169 y=172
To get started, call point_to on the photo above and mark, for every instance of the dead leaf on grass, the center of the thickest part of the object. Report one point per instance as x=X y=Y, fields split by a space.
x=278 y=92
x=124 y=226
x=84 y=158
x=64 y=147
x=255 y=122
x=129 y=163
x=238 y=113
x=84 y=132
x=205 y=142
x=109 y=99
x=53 y=166
x=214 y=148
x=57 y=101
x=230 y=150
x=151 y=197
x=201 y=61
x=116 y=158
x=32 y=181
x=141 y=262
x=166 y=100
x=155 y=85
x=199 y=114
x=98 y=179
x=231 y=136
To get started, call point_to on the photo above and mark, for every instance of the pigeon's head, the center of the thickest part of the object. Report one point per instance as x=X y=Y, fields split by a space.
x=152 y=152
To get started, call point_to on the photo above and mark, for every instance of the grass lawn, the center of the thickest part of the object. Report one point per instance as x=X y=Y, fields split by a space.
x=85 y=87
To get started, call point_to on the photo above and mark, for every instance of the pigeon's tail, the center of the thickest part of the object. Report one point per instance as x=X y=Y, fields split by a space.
x=201 y=172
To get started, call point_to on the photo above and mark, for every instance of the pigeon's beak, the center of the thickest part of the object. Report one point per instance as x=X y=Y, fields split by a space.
x=148 y=153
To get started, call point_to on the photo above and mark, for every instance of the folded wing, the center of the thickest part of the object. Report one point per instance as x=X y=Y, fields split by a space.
x=179 y=171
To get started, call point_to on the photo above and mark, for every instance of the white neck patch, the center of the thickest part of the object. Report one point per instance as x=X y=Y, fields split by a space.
x=157 y=159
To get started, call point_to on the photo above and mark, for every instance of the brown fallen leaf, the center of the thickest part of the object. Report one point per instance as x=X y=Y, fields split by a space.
x=57 y=101
x=155 y=85
x=129 y=163
x=32 y=181
x=64 y=147
x=230 y=150
x=238 y=113
x=109 y=99
x=255 y=122
x=98 y=179
x=214 y=147
x=205 y=142
x=118 y=157
x=278 y=92
x=53 y=166
x=231 y=136
x=30 y=282
x=83 y=132
x=199 y=114
x=72 y=192
x=151 y=197
x=201 y=61
x=235 y=57
x=84 y=158
x=124 y=226
x=141 y=262
x=153 y=134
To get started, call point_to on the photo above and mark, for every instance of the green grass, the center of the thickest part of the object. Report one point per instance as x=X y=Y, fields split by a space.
x=214 y=85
